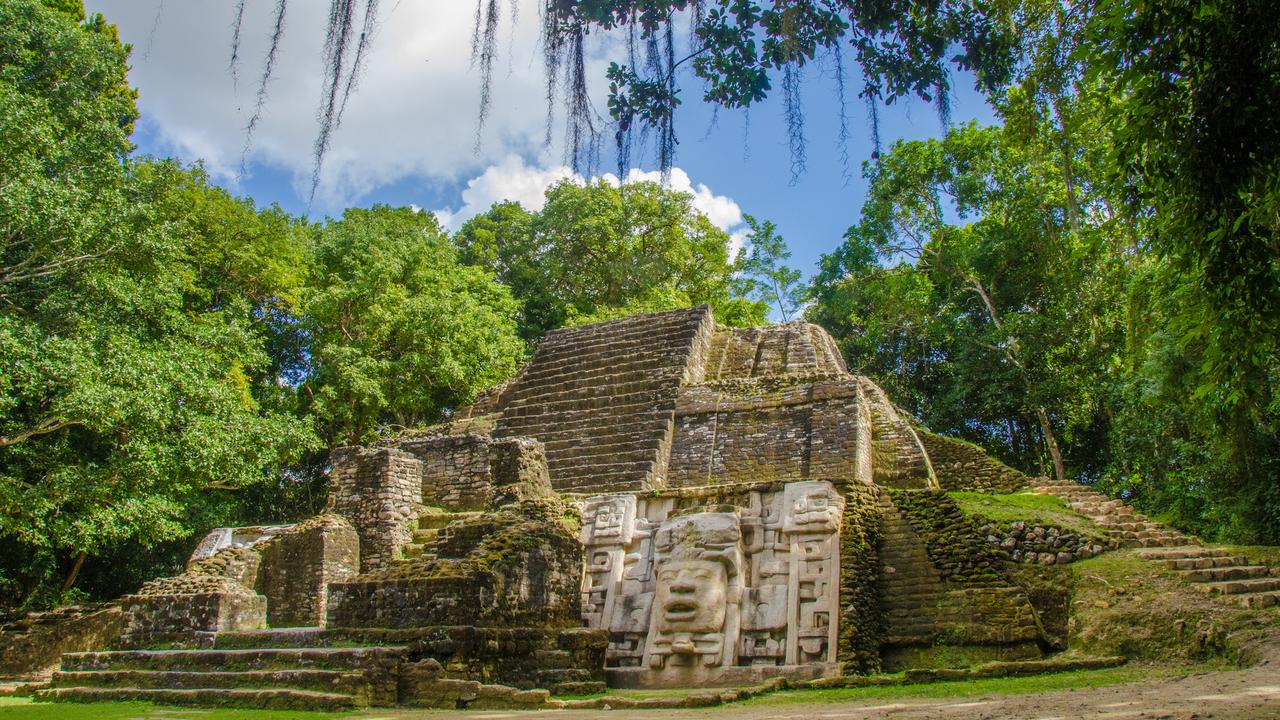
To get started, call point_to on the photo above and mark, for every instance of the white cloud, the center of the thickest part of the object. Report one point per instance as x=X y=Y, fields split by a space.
x=414 y=113
x=514 y=179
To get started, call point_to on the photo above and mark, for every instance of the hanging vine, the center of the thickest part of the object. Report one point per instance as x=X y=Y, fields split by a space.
x=736 y=48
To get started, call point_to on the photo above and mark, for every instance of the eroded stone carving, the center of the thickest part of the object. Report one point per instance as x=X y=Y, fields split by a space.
x=691 y=598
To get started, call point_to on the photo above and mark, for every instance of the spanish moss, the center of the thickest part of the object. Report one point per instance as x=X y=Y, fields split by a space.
x=842 y=132
x=582 y=138
x=873 y=115
x=336 y=42
x=362 y=47
x=794 y=113
x=484 y=43
x=268 y=67
x=235 y=43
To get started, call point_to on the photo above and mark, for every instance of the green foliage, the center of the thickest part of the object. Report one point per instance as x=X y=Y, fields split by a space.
x=126 y=395
x=599 y=251
x=765 y=275
x=399 y=331
x=997 y=319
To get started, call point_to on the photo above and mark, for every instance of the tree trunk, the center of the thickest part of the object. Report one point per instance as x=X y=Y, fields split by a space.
x=1059 y=471
x=70 y=580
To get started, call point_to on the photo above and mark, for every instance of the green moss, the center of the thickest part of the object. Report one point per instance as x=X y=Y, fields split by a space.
x=861 y=617
x=952 y=539
x=1031 y=508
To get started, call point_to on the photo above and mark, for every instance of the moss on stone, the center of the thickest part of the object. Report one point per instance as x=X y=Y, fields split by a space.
x=861 y=617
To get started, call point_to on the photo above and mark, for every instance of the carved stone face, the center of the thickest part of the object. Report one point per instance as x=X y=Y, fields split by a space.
x=691 y=597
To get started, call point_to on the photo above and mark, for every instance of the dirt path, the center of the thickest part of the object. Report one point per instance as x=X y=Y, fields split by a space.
x=1252 y=694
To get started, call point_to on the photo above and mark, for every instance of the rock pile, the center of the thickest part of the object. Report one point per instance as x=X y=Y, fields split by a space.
x=1043 y=544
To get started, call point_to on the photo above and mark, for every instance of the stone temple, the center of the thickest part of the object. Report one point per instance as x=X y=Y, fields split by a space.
x=657 y=501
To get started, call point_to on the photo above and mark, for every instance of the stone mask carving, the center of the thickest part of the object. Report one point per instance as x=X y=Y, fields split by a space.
x=691 y=598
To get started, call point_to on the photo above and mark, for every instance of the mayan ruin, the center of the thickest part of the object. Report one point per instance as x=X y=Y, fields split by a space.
x=653 y=502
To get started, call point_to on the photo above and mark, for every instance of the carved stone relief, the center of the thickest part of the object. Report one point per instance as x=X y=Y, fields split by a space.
x=688 y=596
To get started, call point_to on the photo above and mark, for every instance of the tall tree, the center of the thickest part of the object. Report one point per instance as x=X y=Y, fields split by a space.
x=125 y=396
x=1000 y=328
x=602 y=250
x=399 y=331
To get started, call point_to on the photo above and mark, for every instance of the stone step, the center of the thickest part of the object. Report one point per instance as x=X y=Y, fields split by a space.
x=629 y=454
x=603 y=445
x=1240 y=587
x=1157 y=542
x=337 y=682
x=583 y=380
x=266 y=699
x=641 y=333
x=1216 y=574
x=245 y=659
x=587 y=425
x=1199 y=563
x=642 y=401
x=301 y=637
x=1183 y=552
x=559 y=392
x=1259 y=600
x=569 y=471
x=603 y=482
x=600 y=371
x=417 y=551
x=436 y=521
x=659 y=363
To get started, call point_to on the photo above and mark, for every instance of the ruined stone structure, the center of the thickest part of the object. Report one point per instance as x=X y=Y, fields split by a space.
x=657 y=501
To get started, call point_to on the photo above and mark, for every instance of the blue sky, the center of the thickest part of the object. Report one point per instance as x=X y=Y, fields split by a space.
x=409 y=135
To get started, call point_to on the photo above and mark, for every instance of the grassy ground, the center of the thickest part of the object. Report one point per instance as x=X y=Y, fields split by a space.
x=24 y=709
x=995 y=686
x=1123 y=605
x=1032 y=508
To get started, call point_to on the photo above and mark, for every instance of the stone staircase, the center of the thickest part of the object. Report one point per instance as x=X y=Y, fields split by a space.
x=601 y=398
x=1122 y=524
x=292 y=678
x=1211 y=570
x=1218 y=572
x=423 y=545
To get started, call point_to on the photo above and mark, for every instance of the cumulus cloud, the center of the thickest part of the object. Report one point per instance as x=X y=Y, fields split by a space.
x=414 y=114
x=514 y=179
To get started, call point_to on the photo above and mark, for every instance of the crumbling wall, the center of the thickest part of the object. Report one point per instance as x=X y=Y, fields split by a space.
x=966 y=467
x=379 y=491
x=32 y=646
x=455 y=470
x=297 y=566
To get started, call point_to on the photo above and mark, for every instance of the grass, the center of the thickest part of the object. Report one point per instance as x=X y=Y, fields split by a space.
x=994 y=686
x=1031 y=508
x=24 y=709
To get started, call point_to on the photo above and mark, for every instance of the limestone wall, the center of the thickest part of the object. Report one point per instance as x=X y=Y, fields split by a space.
x=745 y=431
x=379 y=491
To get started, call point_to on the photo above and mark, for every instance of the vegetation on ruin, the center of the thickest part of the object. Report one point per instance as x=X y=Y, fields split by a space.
x=1090 y=288
x=1031 y=508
